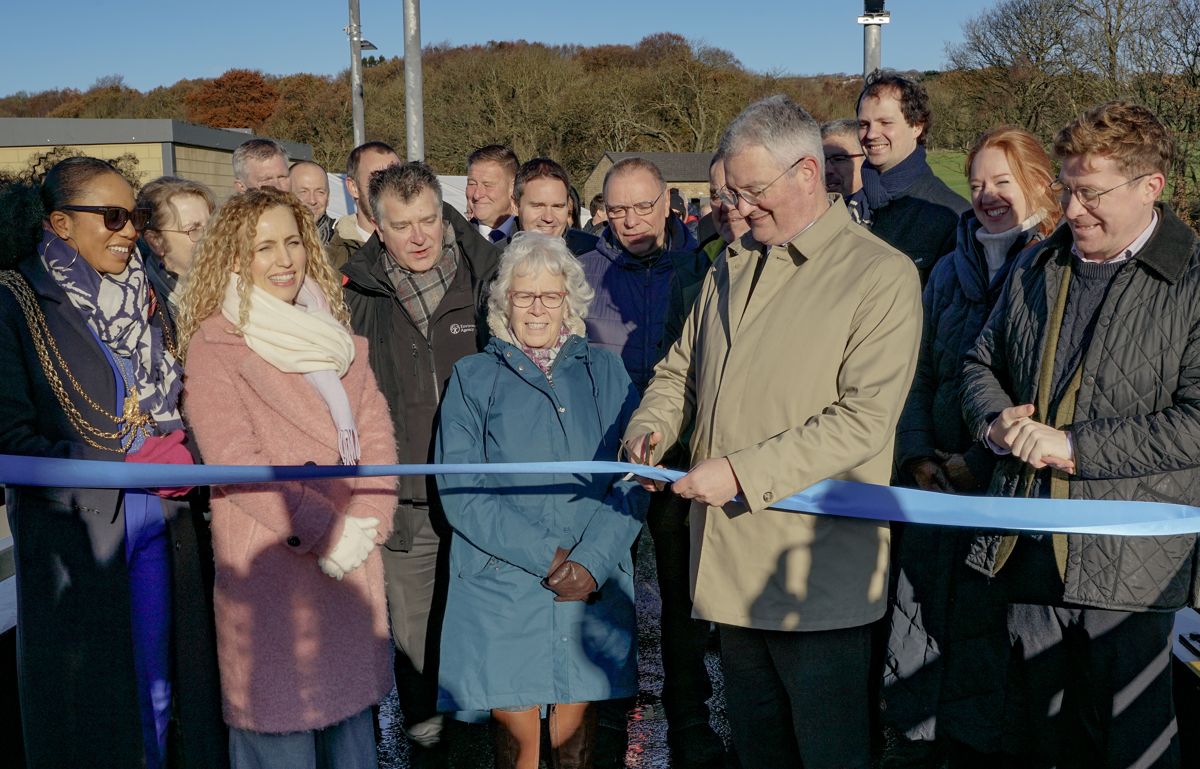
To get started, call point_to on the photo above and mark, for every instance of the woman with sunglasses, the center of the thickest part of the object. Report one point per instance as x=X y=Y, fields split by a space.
x=110 y=594
x=179 y=210
x=539 y=609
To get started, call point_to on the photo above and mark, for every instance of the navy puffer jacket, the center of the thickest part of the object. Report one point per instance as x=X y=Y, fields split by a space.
x=632 y=296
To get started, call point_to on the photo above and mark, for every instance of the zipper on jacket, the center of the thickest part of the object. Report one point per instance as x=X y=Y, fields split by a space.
x=416 y=369
x=437 y=395
x=646 y=322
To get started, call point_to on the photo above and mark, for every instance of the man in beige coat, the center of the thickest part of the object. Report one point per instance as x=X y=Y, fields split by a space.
x=792 y=368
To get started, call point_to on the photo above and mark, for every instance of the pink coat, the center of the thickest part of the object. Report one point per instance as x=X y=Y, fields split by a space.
x=298 y=650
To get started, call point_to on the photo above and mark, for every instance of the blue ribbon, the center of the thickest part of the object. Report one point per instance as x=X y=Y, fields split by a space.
x=840 y=498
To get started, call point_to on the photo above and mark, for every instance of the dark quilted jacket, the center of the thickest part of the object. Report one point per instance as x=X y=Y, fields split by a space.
x=957 y=301
x=928 y=559
x=1136 y=427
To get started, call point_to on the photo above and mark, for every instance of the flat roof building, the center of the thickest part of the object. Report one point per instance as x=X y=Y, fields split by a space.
x=161 y=147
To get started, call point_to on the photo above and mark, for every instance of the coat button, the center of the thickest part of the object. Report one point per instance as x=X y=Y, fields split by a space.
x=1089 y=381
x=768 y=496
x=520 y=368
x=562 y=409
x=293 y=541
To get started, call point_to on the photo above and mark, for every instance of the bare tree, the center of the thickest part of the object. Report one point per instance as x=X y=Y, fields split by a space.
x=1017 y=56
x=1108 y=34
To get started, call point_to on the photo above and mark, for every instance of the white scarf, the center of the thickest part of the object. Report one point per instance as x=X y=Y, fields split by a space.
x=302 y=338
x=997 y=245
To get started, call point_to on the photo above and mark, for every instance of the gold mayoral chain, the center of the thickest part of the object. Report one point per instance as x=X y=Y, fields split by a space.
x=131 y=421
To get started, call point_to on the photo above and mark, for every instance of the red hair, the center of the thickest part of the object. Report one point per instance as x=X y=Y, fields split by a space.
x=1031 y=168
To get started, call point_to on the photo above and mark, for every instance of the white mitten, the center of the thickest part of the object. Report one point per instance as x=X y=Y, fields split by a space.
x=356 y=543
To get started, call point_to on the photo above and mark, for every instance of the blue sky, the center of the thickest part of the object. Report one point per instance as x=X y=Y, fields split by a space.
x=71 y=43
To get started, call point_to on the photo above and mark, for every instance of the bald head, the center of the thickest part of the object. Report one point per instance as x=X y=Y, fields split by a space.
x=311 y=185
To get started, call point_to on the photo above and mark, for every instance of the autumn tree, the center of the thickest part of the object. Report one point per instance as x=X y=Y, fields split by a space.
x=314 y=110
x=240 y=98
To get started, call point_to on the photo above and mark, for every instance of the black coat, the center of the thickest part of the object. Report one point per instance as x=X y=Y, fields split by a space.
x=928 y=567
x=958 y=299
x=1136 y=426
x=922 y=221
x=411 y=369
x=79 y=702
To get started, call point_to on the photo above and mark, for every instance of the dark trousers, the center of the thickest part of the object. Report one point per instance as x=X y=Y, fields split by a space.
x=1090 y=688
x=415 y=582
x=798 y=699
x=686 y=688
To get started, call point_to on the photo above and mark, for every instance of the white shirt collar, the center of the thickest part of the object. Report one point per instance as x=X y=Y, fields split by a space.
x=506 y=227
x=1130 y=251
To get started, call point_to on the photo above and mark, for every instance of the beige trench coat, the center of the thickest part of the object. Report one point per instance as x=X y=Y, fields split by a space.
x=802 y=383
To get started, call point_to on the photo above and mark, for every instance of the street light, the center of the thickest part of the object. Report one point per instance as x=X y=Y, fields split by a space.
x=873 y=19
x=357 y=46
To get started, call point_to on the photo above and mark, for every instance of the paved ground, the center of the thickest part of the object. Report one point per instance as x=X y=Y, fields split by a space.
x=647 y=726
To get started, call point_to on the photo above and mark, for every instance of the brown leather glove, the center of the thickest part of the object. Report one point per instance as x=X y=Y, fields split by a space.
x=929 y=475
x=956 y=470
x=572 y=582
x=560 y=555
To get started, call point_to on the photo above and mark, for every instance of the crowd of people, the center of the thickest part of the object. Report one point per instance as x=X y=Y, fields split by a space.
x=837 y=313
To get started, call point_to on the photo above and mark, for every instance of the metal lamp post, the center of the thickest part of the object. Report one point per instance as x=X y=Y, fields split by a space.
x=872 y=21
x=357 y=46
x=414 y=90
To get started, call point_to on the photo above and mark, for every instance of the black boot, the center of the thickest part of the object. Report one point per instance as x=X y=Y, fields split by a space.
x=506 y=747
x=578 y=750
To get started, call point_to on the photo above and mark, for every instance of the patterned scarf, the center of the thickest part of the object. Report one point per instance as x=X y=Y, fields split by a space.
x=165 y=282
x=116 y=308
x=325 y=229
x=879 y=188
x=421 y=292
x=543 y=357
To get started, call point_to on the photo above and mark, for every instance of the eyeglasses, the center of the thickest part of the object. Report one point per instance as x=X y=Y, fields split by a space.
x=842 y=157
x=115 y=217
x=193 y=234
x=1086 y=196
x=551 y=300
x=730 y=197
x=641 y=209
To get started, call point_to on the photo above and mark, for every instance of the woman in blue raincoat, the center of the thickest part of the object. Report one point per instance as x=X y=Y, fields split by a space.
x=540 y=605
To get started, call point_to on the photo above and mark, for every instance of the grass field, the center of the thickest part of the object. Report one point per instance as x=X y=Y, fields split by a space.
x=948 y=165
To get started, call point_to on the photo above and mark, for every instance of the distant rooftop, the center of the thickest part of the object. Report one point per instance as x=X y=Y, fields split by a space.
x=52 y=132
x=675 y=166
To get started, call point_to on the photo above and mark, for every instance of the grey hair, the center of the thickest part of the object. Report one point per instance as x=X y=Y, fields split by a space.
x=780 y=126
x=255 y=149
x=630 y=165
x=530 y=252
x=405 y=181
x=845 y=127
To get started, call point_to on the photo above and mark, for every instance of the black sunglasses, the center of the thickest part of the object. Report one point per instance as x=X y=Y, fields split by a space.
x=115 y=217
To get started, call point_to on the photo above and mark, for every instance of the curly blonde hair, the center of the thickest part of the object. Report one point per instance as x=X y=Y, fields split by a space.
x=226 y=248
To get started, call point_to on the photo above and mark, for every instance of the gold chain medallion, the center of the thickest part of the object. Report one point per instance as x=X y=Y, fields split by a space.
x=129 y=424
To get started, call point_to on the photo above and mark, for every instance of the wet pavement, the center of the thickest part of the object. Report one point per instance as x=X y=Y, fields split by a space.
x=471 y=744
